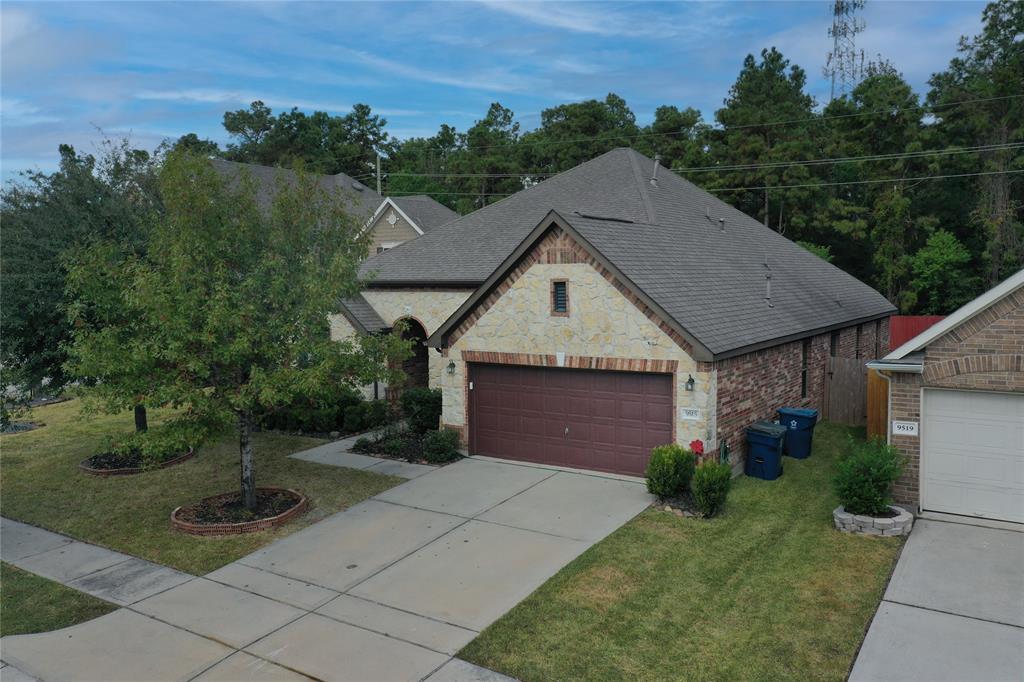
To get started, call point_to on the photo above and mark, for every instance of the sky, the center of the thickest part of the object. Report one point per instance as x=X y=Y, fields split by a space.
x=76 y=72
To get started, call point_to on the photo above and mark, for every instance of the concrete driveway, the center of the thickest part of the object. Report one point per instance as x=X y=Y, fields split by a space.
x=387 y=590
x=954 y=609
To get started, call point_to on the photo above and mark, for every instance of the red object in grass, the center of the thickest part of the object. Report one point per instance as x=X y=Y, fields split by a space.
x=697 y=447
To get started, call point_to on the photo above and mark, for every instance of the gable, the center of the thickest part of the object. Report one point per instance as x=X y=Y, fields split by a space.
x=390 y=228
x=605 y=317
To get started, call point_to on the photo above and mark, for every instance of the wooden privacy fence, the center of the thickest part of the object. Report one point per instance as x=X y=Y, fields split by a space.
x=846 y=391
x=878 y=404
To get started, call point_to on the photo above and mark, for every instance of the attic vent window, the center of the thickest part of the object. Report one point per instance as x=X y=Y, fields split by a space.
x=560 y=298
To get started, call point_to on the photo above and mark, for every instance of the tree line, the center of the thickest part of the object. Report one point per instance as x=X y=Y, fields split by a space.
x=919 y=195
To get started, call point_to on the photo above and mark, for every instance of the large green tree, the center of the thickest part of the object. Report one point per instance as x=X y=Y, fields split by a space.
x=768 y=121
x=977 y=103
x=317 y=142
x=45 y=216
x=230 y=303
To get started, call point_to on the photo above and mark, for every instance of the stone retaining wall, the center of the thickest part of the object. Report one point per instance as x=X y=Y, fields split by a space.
x=901 y=524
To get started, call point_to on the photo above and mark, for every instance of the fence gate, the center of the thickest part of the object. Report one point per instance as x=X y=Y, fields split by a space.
x=846 y=391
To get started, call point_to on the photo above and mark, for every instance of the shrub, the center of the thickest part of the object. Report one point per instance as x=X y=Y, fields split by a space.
x=376 y=413
x=321 y=413
x=395 y=446
x=422 y=408
x=711 y=483
x=363 y=445
x=355 y=418
x=441 y=446
x=864 y=478
x=669 y=470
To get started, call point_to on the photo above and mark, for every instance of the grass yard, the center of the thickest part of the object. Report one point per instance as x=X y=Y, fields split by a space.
x=766 y=591
x=29 y=603
x=41 y=485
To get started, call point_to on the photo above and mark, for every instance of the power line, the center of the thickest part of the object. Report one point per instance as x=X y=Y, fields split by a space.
x=762 y=187
x=766 y=124
x=749 y=166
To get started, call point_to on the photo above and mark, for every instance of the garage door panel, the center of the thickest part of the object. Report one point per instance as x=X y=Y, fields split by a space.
x=613 y=418
x=972 y=457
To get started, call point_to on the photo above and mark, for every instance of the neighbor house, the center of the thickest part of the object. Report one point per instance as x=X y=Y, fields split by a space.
x=610 y=309
x=389 y=220
x=956 y=409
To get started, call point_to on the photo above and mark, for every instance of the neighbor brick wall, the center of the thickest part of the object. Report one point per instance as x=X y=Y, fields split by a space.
x=986 y=353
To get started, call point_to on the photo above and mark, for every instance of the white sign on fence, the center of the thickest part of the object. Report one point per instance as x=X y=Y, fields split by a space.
x=904 y=428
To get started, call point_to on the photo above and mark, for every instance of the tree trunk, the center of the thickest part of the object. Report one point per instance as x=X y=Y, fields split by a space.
x=245 y=450
x=141 y=421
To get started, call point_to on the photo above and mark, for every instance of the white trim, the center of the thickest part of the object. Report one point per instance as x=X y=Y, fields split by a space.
x=961 y=315
x=388 y=202
x=907 y=367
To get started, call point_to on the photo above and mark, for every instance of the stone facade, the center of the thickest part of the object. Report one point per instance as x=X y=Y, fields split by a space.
x=387 y=234
x=604 y=330
x=985 y=353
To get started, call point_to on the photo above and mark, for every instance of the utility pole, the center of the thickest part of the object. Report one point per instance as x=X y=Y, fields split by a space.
x=844 y=65
x=378 y=172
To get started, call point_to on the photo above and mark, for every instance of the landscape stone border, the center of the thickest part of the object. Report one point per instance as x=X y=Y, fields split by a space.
x=244 y=527
x=901 y=524
x=128 y=471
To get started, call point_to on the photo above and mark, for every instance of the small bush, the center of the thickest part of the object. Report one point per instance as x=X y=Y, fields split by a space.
x=422 y=408
x=396 y=446
x=355 y=418
x=377 y=413
x=363 y=445
x=669 y=470
x=441 y=446
x=711 y=482
x=864 y=478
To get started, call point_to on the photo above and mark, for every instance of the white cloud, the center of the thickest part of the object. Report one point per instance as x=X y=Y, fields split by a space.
x=16 y=111
x=217 y=96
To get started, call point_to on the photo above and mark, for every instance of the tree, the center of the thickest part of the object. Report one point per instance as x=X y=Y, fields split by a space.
x=46 y=215
x=943 y=280
x=317 y=142
x=570 y=134
x=973 y=108
x=230 y=303
x=192 y=143
x=487 y=164
x=765 y=94
x=678 y=136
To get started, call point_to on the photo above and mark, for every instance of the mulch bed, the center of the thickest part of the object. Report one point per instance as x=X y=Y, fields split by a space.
x=225 y=514
x=125 y=464
x=681 y=505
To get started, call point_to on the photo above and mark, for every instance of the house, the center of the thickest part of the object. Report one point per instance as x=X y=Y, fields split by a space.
x=390 y=220
x=399 y=219
x=610 y=309
x=956 y=409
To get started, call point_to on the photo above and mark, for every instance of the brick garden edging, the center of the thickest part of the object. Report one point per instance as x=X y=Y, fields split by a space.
x=245 y=527
x=901 y=524
x=128 y=471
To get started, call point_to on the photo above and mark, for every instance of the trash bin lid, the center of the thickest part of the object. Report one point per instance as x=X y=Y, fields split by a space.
x=798 y=412
x=769 y=428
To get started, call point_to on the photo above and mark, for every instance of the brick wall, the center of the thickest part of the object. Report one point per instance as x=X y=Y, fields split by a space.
x=752 y=387
x=986 y=353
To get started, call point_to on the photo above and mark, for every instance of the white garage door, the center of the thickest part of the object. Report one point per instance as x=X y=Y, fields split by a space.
x=972 y=459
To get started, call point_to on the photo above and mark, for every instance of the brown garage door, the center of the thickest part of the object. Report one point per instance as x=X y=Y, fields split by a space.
x=607 y=421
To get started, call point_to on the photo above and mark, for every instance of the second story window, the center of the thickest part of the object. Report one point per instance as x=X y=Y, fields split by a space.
x=560 y=297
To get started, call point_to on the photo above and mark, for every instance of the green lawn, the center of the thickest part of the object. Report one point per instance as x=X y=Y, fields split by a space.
x=29 y=603
x=42 y=485
x=767 y=591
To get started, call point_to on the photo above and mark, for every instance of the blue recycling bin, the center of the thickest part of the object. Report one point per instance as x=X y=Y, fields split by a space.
x=764 y=450
x=799 y=423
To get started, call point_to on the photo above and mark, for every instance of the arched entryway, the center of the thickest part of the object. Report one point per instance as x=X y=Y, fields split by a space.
x=417 y=366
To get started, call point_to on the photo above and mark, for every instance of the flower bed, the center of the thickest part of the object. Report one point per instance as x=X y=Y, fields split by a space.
x=224 y=514
x=899 y=523
x=100 y=465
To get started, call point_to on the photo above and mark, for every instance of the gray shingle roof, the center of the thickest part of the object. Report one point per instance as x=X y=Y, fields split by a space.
x=361 y=315
x=363 y=200
x=425 y=211
x=708 y=276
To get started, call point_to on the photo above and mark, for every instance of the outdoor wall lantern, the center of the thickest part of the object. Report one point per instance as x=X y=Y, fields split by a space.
x=451 y=367
x=689 y=383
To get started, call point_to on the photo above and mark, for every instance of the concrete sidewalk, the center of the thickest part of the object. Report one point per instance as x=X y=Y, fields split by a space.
x=389 y=589
x=954 y=609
